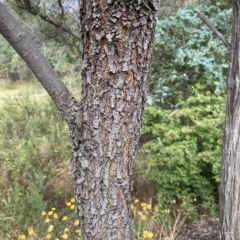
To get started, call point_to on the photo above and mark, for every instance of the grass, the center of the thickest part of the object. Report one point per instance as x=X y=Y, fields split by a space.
x=18 y=89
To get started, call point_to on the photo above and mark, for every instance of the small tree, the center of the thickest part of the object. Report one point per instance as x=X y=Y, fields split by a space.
x=104 y=127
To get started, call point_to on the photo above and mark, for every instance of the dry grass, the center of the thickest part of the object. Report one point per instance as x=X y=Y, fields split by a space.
x=10 y=89
x=169 y=230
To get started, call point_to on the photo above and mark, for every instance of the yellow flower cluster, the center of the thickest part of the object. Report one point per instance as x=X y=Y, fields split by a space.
x=147 y=234
x=78 y=231
x=50 y=214
x=50 y=228
x=22 y=237
x=66 y=233
x=146 y=206
x=71 y=204
x=30 y=233
x=142 y=216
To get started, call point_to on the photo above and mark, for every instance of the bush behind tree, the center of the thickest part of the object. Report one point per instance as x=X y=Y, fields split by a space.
x=183 y=157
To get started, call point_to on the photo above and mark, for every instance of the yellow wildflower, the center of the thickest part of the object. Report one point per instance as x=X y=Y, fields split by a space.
x=48 y=236
x=30 y=231
x=66 y=229
x=55 y=215
x=72 y=200
x=64 y=218
x=150 y=235
x=76 y=223
x=72 y=206
x=50 y=213
x=78 y=231
x=136 y=201
x=47 y=220
x=144 y=206
x=53 y=209
x=65 y=236
x=22 y=237
x=43 y=213
x=50 y=228
x=142 y=217
x=68 y=204
x=147 y=234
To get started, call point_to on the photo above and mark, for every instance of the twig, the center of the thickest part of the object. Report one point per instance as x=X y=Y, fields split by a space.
x=204 y=18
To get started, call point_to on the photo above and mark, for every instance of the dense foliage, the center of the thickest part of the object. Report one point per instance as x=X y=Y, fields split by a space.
x=186 y=52
x=183 y=157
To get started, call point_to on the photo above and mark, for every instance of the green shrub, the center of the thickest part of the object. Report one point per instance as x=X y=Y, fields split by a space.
x=183 y=157
x=35 y=162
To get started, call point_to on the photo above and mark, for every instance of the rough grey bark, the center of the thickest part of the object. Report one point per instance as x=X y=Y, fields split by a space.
x=117 y=38
x=104 y=128
x=29 y=52
x=230 y=172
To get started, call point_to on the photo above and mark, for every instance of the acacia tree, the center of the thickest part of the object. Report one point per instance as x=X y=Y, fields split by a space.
x=104 y=127
x=230 y=178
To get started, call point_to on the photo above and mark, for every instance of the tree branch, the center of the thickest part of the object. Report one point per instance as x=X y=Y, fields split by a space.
x=47 y=18
x=204 y=18
x=29 y=52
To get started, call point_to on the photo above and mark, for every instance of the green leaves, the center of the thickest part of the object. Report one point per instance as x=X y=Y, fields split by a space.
x=186 y=53
x=184 y=154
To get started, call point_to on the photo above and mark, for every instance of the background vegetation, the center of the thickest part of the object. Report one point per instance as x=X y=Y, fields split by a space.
x=177 y=165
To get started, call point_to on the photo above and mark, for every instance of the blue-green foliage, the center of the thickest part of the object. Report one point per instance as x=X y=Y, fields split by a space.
x=184 y=153
x=186 y=52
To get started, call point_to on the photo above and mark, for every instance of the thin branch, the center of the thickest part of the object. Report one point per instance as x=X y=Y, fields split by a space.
x=47 y=19
x=204 y=18
x=62 y=9
x=29 y=52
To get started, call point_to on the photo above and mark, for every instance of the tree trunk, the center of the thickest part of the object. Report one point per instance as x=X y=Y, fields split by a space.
x=230 y=172
x=117 y=38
